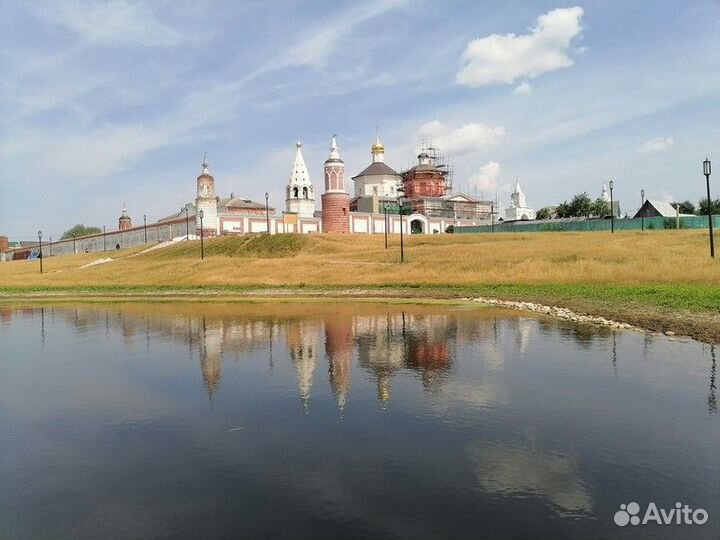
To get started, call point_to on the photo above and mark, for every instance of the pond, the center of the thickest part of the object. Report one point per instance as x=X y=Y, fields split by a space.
x=322 y=420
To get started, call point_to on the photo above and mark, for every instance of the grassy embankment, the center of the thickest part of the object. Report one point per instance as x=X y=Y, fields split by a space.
x=663 y=280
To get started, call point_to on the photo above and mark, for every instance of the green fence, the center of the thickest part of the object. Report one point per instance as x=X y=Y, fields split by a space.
x=654 y=223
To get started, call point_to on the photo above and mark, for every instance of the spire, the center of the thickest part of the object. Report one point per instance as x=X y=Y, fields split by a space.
x=334 y=150
x=517 y=185
x=205 y=165
x=299 y=174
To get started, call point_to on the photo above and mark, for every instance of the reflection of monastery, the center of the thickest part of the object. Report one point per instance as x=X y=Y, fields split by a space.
x=382 y=345
x=428 y=203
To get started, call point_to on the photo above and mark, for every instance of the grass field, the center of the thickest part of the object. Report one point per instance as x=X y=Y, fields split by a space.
x=660 y=279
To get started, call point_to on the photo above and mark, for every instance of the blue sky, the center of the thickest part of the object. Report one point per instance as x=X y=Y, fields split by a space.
x=105 y=103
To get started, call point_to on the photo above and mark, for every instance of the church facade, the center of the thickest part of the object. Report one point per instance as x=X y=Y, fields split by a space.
x=518 y=209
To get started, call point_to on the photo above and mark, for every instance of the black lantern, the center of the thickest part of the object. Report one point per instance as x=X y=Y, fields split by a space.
x=267 y=212
x=40 y=256
x=401 y=199
x=642 y=210
x=706 y=171
x=611 y=184
x=202 y=247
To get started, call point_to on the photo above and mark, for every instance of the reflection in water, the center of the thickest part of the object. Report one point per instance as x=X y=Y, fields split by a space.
x=712 y=396
x=339 y=352
x=384 y=343
x=512 y=470
x=302 y=341
x=455 y=423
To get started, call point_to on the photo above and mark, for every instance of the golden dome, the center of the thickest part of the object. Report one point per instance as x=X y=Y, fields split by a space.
x=377 y=147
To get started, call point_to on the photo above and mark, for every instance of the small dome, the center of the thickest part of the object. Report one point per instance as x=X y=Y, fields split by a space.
x=377 y=147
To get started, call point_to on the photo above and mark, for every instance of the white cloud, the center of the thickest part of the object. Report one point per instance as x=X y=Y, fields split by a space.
x=502 y=59
x=466 y=139
x=117 y=21
x=657 y=145
x=524 y=88
x=486 y=179
x=312 y=49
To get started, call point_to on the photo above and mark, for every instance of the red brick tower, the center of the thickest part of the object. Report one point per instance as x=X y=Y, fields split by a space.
x=124 y=223
x=424 y=179
x=335 y=200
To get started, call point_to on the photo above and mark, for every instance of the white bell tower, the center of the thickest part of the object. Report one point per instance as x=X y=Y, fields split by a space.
x=300 y=194
x=206 y=201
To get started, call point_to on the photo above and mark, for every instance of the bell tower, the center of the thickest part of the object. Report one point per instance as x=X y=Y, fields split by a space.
x=206 y=201
x=300 y=194
x=335 y=200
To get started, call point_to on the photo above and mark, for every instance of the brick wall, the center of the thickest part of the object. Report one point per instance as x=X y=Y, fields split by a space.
x=336 y=213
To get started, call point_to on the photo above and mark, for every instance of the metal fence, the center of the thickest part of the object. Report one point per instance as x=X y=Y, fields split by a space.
x=581 y=224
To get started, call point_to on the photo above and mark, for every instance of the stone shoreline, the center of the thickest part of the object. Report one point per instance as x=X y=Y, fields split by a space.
x=560 y=313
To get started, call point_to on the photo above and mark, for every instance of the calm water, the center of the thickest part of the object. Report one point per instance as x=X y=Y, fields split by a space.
x=366 y=421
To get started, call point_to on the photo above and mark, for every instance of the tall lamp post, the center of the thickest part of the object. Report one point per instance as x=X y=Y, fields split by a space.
x=492 y=217
x=187 y=223
x=401 y=190
x=642 y=212
x=706 y=172
x=267 y=212
x=202 y=247
x=385 y=211
x=74 y=245
x=145 y=226
x=611 y=184
x=40 y=255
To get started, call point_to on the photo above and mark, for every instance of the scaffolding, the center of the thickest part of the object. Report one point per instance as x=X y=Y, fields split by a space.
x=441 y=162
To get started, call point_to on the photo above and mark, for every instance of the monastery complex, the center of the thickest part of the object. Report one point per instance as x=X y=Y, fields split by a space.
x=376 y=200
x=369 y=206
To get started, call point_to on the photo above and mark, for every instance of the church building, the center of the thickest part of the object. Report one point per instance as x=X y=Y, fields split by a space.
x=518 y=209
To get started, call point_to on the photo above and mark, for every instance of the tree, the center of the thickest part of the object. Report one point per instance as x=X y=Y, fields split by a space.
x=544 y=213
x=580 y=205
x=685 y=207
x=80 y=230
x=600 y=208
x=563 y=210
x=703 y=207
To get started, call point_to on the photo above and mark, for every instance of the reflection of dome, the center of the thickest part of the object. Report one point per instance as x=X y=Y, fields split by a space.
x=383 y=389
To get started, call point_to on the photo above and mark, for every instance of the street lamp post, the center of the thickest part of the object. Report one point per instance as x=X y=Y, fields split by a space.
x=267 y=212
x=492 y=217
x=401 y=190
x=385 y=211
x=145 y=226
x=187 y=223
x=40 y=254
x=202 y=247
x=642 y=212
x=611 y=184
x=706 y=172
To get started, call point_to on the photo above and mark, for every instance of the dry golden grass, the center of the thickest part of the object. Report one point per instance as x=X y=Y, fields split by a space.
x=625 y=258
